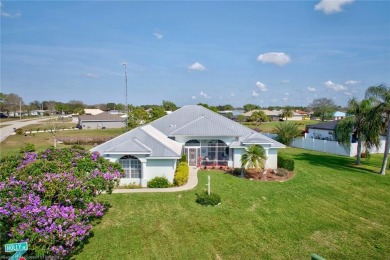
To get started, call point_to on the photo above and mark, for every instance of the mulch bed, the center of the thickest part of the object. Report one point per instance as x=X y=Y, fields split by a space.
x=263 y=175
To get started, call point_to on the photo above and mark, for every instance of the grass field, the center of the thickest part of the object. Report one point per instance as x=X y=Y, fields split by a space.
x=330 y=207
x=13 y=143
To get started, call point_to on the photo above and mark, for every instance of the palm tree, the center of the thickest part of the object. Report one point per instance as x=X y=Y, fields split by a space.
x=287 y=112
x=254 y=157
x=363 y=122
x=381 y=94
x=259 y=116
x=286 y=132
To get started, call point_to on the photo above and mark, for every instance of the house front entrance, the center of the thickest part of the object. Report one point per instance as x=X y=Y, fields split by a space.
x=193 y=156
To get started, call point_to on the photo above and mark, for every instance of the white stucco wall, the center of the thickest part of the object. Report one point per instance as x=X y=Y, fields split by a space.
x=272 y=158
x=160 y=168
x=99 y=125
x=237 y=154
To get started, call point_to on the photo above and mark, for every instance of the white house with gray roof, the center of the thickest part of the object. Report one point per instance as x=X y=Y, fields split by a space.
x=207 y=138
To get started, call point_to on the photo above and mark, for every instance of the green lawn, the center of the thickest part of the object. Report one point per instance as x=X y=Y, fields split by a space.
x=267 y=127
x=330 y=208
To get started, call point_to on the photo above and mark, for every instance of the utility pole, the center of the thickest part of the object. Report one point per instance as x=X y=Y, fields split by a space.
x=127 y=107
x=20 y=108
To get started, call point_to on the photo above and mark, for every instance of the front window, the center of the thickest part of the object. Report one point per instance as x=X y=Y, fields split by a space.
x=131 y=166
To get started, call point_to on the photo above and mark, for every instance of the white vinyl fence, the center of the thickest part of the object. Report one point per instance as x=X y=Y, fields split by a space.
x=332 y=146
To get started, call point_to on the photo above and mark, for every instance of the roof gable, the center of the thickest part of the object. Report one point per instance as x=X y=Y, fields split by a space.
x=204 y=126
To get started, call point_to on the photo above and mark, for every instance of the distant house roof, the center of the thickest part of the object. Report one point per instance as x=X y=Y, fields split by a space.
x=271 y=113
x=339 y=113
x=104 y=116
x=331 y=125
x=92 y=111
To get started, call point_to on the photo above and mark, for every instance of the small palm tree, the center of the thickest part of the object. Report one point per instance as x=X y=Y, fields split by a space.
x=381 y=95
x=254 y=157
x=287 y=112
x=286 y=132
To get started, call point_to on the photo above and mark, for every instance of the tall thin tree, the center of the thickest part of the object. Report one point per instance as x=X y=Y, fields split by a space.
x=381 y=95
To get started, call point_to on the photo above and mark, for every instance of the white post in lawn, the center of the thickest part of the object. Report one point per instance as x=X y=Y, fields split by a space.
x=208 y=185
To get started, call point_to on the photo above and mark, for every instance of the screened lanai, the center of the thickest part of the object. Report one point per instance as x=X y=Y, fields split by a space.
x=207 y=152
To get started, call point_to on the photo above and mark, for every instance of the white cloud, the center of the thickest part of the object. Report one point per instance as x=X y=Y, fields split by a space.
x=348 y=93
x=261 y=86
x=7 y=14
x=89 y=75
x=336 y=87
x=193 y=97
x=285 y=81
x=331 y=6
x=286 y=94
x=232 y=94
x=197 y=66
x=285 y=98
x=352 y=82
x=278 y=58
x=311 y=89
x=202 y=94
x=255 y=94
x=158 y=36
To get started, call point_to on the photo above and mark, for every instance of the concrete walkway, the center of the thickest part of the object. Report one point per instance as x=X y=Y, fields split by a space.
x=192 y=182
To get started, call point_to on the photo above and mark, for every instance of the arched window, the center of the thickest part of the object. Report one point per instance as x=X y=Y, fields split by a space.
x=131 y=166
x=192 y=142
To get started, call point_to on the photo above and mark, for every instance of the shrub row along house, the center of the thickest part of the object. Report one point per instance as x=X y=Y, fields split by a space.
x=207 y=138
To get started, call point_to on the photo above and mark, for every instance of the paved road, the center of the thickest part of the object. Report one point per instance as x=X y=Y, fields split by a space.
x=8 y=129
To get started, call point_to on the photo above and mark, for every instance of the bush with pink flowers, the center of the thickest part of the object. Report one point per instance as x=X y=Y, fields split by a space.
x=49 y=199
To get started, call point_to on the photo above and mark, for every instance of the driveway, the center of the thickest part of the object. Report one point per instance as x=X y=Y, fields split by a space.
x=8 y=129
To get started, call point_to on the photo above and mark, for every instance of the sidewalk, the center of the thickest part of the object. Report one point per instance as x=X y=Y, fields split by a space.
x=192 y=182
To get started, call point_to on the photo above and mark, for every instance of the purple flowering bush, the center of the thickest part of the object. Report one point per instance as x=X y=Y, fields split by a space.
x=49 y=199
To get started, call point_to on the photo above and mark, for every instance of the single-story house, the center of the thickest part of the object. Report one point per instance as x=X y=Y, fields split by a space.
x=101 y=121
x=205 y=137
x=275 y=115
x=338 y=115
x=322 y=131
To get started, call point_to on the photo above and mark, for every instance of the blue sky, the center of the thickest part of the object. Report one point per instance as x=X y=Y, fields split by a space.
x=215 y=52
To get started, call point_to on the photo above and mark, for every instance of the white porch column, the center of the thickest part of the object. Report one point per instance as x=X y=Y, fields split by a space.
x=266 y=155
x=144 y=180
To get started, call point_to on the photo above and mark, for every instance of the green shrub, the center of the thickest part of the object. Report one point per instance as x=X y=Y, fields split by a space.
x=183 y=158
x=237 y=171
x=158 y=182
x=27 y=148
x=181 y=174
x=208 y=200
x=286 y=163
x=19 y=131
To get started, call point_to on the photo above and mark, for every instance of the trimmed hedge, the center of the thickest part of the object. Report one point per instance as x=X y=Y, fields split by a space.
x=208 y=200
x=158 y=182
x=286 y=163
x=181 y=174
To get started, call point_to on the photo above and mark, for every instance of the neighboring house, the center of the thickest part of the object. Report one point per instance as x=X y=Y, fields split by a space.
x=92 y=111
x=338 y=115
x=322 y=131
x=275 y=115
x=207 y=138
x=101 y=121
x=37 y=112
